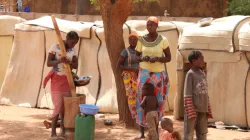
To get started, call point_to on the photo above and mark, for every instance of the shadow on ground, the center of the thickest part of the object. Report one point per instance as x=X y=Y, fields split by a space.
x=19 y=130
x=243 y=139
x=39 y=116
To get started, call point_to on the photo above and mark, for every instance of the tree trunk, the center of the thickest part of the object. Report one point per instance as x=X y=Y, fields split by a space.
x=114 y=15
x=82 y=7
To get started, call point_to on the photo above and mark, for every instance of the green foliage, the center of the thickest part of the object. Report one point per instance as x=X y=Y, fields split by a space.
x=239 y=7
x=94 y=2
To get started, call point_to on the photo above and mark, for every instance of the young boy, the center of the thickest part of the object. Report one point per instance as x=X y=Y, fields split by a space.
x=196 y=100
x=150 y=106
x=167 y=132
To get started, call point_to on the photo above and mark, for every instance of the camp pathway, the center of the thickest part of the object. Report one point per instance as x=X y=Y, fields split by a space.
x=17 y=123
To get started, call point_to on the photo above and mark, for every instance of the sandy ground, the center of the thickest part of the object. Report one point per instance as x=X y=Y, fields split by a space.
x=18 y=123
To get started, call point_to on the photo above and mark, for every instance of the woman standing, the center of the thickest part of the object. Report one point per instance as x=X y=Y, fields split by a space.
x=130 y=67
x=153 y=52
x=59 y=82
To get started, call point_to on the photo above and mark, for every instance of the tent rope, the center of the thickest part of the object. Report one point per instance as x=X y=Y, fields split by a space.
x=98 y=67
x=236 y=32
x=45 y=93
x=245 y=90
x=44 y=63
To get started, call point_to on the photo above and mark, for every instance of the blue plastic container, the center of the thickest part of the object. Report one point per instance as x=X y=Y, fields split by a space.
x=89 y=109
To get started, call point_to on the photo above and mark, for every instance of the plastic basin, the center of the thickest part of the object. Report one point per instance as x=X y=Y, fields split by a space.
x=89 y=109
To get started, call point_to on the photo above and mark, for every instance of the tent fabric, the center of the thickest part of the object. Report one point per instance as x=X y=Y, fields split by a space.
x=5 y=47
x=244 y=37
x=139 y=26
x=107 y=97
x=87 y=65
x=227 y=96
x=227 y=67
x=92 y=55
x=221 y=35
x=28 y=28
x=23 y=77
x=82 y=28
x=212 y=57
x=7 y=24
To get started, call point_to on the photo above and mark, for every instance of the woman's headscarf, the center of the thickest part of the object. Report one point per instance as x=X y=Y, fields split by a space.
x=153 y=19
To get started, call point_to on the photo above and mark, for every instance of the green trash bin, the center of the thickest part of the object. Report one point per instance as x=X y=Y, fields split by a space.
x=85 y=127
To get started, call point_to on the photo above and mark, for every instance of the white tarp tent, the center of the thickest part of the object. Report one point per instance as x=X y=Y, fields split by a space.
x=27 y=66
x=7 y=24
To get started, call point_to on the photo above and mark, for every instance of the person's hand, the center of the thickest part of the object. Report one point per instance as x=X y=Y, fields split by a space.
x=145 y=58
x=64 y=60
x=164 y=97
x=176 y=135
x=75 y=77
x=153 y=59
x=210 y=116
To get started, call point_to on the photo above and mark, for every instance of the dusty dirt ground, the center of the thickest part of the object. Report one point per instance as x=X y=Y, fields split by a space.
x=17 y=123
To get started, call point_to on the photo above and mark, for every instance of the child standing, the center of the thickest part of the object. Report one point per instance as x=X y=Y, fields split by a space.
x=196 y=100
x=167 y=132
x=150 y=106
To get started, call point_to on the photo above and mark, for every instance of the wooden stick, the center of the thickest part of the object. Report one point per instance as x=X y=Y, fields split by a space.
x=63 y=51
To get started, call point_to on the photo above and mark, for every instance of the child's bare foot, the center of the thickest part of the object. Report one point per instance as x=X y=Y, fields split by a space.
x=47 y=124
x=140 y=136
x=62 y=133
x=53 y=135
